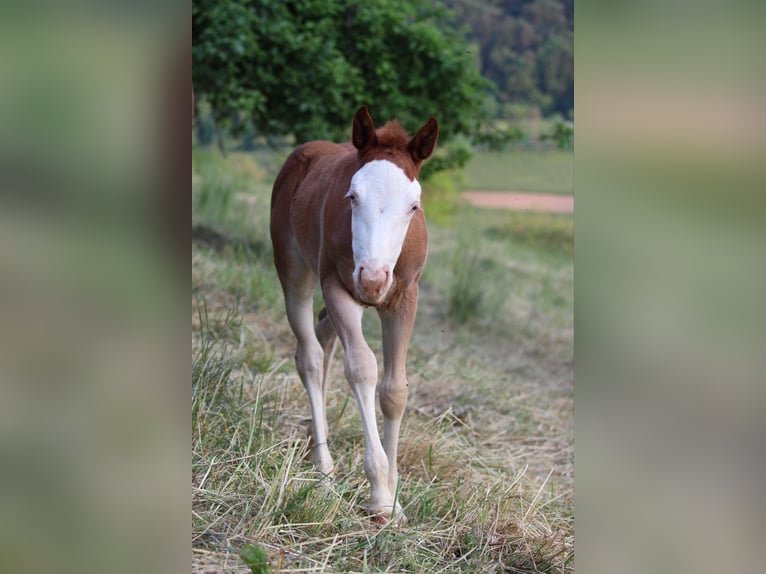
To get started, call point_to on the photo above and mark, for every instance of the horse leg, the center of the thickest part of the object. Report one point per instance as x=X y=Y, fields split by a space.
x=299 y=305
x=361 y=371
x=328 y=338
x=397 y=323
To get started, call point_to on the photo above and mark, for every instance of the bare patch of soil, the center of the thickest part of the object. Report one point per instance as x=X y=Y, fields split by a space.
x=545 y=202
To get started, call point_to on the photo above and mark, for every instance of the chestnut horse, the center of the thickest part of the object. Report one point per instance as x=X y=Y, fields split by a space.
x=350 y=217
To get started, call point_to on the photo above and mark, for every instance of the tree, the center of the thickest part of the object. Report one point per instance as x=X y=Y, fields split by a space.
x=302 y=67
x=526 y=49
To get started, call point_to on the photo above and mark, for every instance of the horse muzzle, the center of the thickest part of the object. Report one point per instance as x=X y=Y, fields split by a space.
x=372 y=282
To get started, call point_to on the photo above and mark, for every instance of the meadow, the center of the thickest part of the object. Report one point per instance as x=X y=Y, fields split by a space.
x=522 y=170
x=486 y=451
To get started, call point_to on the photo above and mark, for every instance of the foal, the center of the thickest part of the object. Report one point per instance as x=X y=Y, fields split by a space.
x=350 y=217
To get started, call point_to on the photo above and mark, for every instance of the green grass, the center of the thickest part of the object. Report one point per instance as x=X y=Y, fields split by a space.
x=521 y=171
x=549 y=232
x=486 y=447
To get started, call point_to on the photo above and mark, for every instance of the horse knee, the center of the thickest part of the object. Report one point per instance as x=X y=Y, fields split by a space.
x=308 y=361
x=361 y=368
x=393 y=397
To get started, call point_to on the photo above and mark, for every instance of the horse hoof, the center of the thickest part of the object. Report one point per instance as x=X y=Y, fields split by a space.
x=399 y=519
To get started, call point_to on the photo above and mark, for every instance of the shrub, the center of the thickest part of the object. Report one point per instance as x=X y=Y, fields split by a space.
x=466 y=294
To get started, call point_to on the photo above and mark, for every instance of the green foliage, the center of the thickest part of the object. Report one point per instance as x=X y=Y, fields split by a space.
x=551 y=233
x=466 y=295
x=498 y=138
x=526 y=49
x=449 y=156
x=204 y=128
x=256 y=558
x=214 y=200
x=441 y=199
x=561 y=133
x=302 y=67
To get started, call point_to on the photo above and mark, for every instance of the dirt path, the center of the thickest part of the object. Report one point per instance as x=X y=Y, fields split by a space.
x=547 y=202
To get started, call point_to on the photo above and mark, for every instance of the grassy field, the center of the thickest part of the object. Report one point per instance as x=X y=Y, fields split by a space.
x=522 y=171
x=486 y=452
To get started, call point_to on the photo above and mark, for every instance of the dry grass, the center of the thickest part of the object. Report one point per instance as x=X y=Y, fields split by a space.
x=486 y=450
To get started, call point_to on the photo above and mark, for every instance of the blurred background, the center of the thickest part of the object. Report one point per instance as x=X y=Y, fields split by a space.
x=670 y=280
x=94 y=397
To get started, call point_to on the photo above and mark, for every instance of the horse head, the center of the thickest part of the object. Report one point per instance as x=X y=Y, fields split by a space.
x=384 y=195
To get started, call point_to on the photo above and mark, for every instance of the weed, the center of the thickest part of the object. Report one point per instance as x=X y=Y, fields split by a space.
x=466 y=294
x=441 y=200
x=550 y=232
x=214 y=200
x=256 y=558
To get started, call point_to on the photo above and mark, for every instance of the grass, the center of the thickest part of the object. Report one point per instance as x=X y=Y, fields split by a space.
x=552 y=233
x=486 y=448
x=521 y=170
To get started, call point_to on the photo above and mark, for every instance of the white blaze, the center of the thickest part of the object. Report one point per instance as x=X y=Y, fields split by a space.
x=383 y=201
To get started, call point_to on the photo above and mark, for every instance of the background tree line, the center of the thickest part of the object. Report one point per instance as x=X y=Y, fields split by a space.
x=526 y=49
x=301 y=67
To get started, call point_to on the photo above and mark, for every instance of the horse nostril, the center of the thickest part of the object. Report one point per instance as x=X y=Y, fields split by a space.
x=375 y=277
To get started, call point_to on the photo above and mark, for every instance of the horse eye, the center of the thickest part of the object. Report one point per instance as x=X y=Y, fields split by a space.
x=351 y=196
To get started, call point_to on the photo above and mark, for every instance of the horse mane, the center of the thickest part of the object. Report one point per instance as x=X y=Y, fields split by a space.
x=392 y=135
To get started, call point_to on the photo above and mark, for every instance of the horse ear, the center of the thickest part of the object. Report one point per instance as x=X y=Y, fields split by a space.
x=424 y=142
x=363 y=133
